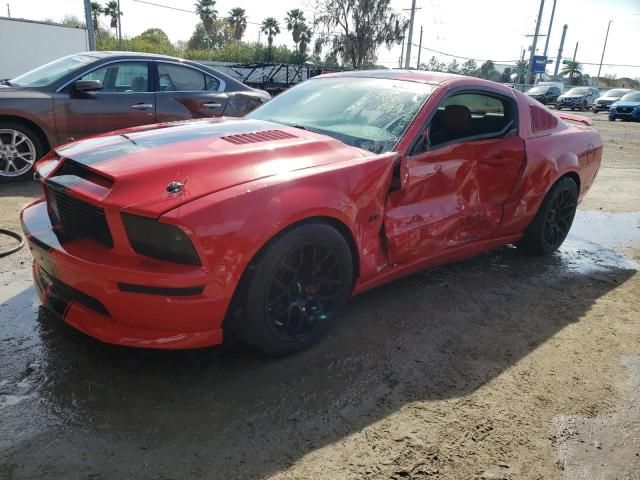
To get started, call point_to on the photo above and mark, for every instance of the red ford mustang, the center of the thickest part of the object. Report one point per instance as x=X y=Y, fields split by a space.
x=165 y=236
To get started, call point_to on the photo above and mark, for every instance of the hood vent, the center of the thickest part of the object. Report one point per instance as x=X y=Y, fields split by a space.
x=255 y=137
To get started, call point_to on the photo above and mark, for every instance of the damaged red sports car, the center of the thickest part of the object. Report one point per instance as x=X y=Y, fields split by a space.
x=166 y=236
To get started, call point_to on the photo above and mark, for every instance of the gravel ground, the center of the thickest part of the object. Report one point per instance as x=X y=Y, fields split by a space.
x=498 y=367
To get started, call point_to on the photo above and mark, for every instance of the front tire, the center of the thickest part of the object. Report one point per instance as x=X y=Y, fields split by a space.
x=20 y=147
x=553 y=221
x=295 y=289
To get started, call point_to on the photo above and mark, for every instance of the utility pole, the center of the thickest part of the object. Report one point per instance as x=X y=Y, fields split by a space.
x=559 y=59
x=419 y=48
x=521 y=69
x=401 y=54
x=119 y=23
x=535 y=41
x=8 y=11
x=606 y=37
x=546 y=43
x=89 y=20
x=407 y=61
x=575 y=53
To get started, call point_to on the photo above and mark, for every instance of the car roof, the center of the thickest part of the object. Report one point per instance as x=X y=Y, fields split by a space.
x=422 y=76
x=115 y=54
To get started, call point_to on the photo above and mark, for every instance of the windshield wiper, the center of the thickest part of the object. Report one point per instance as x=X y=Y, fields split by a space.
x=5 y=81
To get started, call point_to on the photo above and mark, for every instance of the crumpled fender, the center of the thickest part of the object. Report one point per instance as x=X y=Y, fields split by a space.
x=231 y=226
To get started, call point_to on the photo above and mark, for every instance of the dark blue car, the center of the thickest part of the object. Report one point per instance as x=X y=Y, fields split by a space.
x=627 y=108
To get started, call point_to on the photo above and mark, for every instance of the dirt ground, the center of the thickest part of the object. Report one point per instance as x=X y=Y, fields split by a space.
x=498 y=367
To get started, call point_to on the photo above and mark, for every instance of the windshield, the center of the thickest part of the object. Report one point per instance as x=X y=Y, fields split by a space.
x=616 y=93
x=631 y=97
x=577 y=92
x=368 y=113
x=52 y=72
x=538 y=90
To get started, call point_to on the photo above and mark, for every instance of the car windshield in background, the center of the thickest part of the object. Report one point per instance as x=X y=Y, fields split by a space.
x=577 y=92
x=538 y=90
x=616 y=93
x=631 y=97
x=52 y=72
x=368 y=113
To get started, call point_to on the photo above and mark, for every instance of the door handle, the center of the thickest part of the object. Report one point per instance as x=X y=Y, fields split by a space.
x=142 y=106
x=211 y=105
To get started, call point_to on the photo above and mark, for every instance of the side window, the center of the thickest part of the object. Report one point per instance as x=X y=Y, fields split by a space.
x=555 y=91
x=124 y=77
x=468 y=115
x=178 y=78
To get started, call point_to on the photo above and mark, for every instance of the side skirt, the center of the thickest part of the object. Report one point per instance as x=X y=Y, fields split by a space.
x=392 y=273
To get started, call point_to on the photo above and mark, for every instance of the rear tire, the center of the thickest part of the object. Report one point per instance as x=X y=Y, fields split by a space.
x=20 y=147
x=553 y=221
x=294 y=289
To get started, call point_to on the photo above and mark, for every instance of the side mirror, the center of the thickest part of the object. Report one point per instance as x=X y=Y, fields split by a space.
x=87 y=85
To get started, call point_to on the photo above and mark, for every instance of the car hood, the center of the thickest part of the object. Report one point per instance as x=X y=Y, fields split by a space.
x=137 y=165
x=625 y=104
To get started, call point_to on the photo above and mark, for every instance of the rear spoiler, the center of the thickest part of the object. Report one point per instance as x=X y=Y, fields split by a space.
x=572 y=117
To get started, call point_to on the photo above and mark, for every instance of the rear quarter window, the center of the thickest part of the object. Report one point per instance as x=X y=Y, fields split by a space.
x=542 y=120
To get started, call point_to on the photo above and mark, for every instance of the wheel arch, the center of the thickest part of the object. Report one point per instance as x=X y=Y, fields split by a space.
x=42 y=136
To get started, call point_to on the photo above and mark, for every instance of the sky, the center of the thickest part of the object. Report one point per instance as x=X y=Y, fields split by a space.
x=479 y=29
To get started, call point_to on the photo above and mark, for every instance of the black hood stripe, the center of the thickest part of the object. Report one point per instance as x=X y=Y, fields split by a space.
x=107 y=148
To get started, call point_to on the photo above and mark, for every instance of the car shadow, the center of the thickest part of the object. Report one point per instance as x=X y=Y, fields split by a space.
x=28 y=189
x=229 y=412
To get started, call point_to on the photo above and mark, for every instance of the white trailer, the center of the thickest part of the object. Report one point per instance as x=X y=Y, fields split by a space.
x=27 y=44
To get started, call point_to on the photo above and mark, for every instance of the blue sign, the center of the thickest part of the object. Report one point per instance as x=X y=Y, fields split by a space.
x=539 y=64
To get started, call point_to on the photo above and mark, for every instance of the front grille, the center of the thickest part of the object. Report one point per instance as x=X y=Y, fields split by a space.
x=77 y=219
x=624 y=109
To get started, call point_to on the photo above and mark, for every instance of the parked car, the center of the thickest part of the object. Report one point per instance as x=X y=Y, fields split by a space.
x=167 y=236
x=578 y=98
x=603 y=102
x=545 y=94
x=559 y=85
x=94 y=92
x=627 y=108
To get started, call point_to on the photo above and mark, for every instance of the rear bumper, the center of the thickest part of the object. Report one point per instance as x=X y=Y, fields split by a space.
x=89 y=286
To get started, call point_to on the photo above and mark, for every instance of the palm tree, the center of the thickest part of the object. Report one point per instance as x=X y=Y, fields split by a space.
x=574 y=71
x=238 y=21
x=305 y=39
x=111 y=10
x=96 y=11
x=206 y=10
x=295 y=24
x=271 y=28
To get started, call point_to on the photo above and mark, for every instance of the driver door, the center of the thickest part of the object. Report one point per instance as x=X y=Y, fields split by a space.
x=125 y=100
x=456 y=178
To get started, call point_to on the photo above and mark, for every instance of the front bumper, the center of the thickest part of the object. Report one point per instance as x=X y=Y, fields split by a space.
x=631 y=116
x=601 y=107
x=84 y=282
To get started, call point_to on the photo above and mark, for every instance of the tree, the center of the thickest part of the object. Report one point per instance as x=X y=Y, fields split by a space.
x=303 y=41
x=238 y=21
x=72 y=21
x=221 y=35
x=355 y=29
x=487 y=69
x=295 y=24
x=434 y=65
x=111 y=10
x=271 y=28
x=573 y=70
x=522 y=66
x=206 y=10
x=453 y=67
x=469 y=68
x=96 y=11
x=505 y=77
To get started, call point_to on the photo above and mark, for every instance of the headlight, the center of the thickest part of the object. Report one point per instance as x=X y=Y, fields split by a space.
x=159 y=240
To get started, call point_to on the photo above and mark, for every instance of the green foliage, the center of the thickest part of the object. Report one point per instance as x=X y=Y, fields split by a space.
x=241 y=52
x=238 y=21
x=111 y=10
x=505 y=77
x=72 y=21
x=271 y=28
x=469 y=68
x=434 y=65
x=206 y=10
x=355 y=29
x=153 y=40
x=573 y=70
x=221 y=34
x=453 y=67
x=487 y=70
